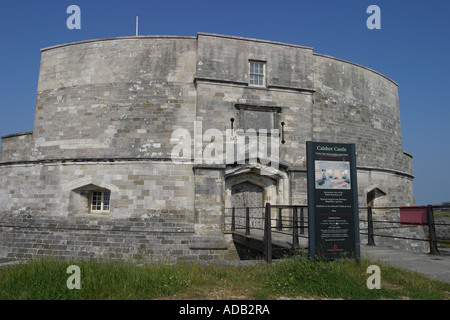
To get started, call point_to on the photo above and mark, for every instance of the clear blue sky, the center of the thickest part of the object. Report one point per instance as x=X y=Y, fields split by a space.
x=412 y=48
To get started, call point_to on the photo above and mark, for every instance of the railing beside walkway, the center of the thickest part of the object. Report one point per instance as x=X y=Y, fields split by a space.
x=421 y=216
x=292 y=220
x=288 y=220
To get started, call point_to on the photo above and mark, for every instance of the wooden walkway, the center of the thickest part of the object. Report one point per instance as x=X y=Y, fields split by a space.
x=252 y=245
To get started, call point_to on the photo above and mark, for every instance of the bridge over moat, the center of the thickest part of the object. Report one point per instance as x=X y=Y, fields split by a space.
x=252 y=245
x=273 y=231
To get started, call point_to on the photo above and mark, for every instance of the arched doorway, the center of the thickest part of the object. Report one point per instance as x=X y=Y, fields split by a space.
x=375 y=197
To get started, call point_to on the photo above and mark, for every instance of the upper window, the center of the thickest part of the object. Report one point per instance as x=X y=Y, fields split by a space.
x=257 y=72
x=100 y=201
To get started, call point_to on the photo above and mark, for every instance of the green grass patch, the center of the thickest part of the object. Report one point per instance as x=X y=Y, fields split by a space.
x=345 y=279
x=296 y=278
x=438 y=213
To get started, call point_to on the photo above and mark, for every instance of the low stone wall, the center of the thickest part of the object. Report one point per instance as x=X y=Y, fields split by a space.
x=165 y=237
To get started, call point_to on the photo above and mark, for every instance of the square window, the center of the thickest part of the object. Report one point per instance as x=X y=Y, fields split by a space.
x=100 y=201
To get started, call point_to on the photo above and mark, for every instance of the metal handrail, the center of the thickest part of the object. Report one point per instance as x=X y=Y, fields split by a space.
x=292 y=222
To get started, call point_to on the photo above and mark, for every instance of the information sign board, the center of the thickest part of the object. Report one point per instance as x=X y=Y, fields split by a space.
x=332 y=201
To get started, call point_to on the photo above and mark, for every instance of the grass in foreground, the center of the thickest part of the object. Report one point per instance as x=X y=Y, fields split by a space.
x=297 y=278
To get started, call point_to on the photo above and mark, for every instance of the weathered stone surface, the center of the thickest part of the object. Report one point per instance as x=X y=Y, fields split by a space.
x=105 y=113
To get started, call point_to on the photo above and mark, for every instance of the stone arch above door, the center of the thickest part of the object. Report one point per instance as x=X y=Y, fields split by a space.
x=275 y=186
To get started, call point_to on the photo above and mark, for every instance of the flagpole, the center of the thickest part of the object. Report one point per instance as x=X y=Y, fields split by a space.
x=137 y=23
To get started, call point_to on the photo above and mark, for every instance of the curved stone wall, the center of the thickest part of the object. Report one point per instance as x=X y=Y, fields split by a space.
x=123 y=97
x=117 y=98
x=106 y=110
x=359 y=105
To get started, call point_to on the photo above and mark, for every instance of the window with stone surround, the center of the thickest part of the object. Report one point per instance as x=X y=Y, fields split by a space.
x=90 y=196
x=257 y=73
x=100 y=201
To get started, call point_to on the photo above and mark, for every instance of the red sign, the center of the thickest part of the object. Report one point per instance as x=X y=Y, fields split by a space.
x=413 y=215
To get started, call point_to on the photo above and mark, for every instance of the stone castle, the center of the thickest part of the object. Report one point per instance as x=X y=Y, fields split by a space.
x=96 y=177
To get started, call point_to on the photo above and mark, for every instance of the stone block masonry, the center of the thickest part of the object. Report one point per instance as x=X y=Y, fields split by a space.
x=55 y=188
x=160 y=237
x=95 y=177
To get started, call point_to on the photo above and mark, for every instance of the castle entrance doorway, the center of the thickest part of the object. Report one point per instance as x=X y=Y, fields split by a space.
x=247 y=194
